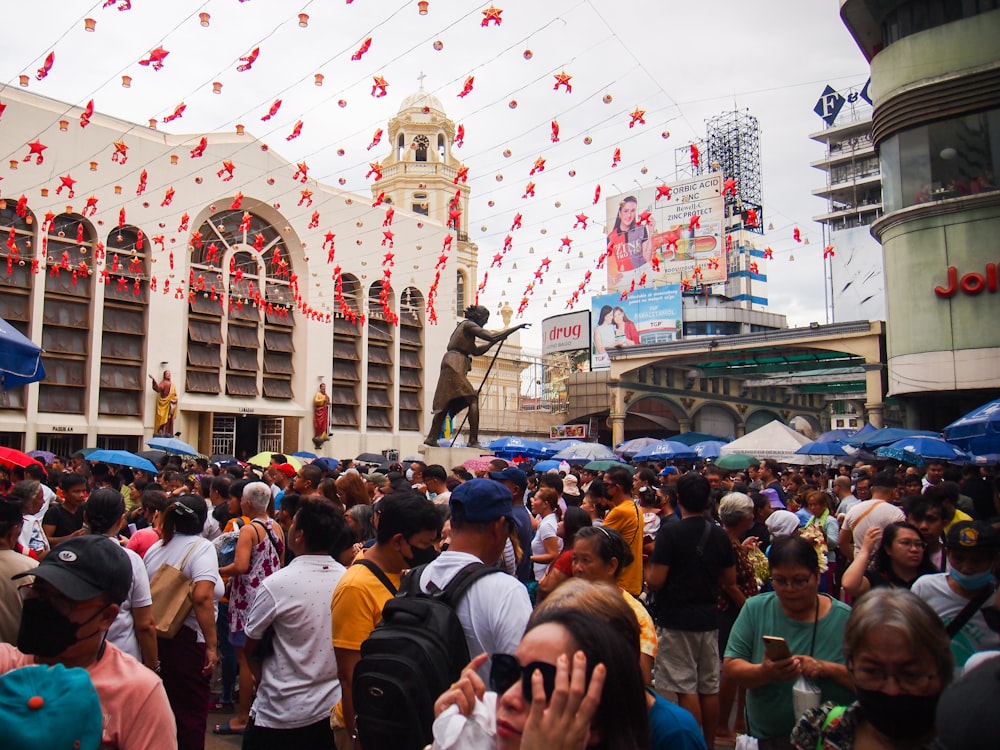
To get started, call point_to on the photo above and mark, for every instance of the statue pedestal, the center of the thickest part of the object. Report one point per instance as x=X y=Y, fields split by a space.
x=450 y=457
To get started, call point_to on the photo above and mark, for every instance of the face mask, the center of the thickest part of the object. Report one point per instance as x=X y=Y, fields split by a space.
x=971 y=582
x=45 y=631
x=409 y=475
x=900 y=716
x=421 y=556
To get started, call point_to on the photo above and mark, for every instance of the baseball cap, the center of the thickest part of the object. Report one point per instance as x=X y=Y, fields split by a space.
x=49 y=707
x=287 y=469
x=668 y=470
x=973 y=535
x=512 y=474
x=379 y=480
x=83 y=567
x=481 y=500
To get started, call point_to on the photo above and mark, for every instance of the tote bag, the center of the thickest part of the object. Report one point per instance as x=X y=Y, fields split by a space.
x=170 y=590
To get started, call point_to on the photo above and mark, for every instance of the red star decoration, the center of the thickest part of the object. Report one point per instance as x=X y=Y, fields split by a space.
x=663 y=191
x=695 y=222
x=539 y=166
x=566 y=242
x=581 y=219
x=492 y=14
x=156 y=58
x=66 y=182
x=729 y=188
x=644 y=218
x=637 y=116
x=563 y=79
x=36 y=149
x=379 y=85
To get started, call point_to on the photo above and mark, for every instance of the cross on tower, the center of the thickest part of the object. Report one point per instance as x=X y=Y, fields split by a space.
x=421 y=78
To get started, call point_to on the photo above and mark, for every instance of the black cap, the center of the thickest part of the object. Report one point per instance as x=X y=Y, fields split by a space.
x=84 y=567
x=973 y=535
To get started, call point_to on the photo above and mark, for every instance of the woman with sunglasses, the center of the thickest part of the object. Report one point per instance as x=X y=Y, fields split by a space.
x=900 y=660
x=812 y=626
x=893 y=557
x=572 y=683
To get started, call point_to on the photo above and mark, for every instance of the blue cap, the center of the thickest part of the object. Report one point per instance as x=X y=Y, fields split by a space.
x=481 y=500
x=667 y=470
x=512 y=474
x=49 y=707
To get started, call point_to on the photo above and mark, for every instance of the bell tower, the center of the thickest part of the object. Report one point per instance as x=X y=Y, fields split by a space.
x=419 y=176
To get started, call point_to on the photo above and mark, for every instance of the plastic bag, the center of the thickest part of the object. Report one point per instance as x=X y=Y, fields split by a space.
x=745 y=742
x=452 y=731
x=805 y=695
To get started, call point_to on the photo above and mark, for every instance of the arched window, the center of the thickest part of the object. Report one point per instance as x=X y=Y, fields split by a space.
x=460 y=303
x=400 y=146
x=442 y=153
x=17 y=251
x=381 y=346
x=66 y=317
x=345 y=388
x=242 y=274
x=420 y=145
x=123 y=342
x=411 y=359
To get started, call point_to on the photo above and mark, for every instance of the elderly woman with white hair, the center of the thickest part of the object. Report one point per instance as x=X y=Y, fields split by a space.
x=736 y=512
x=260 y=550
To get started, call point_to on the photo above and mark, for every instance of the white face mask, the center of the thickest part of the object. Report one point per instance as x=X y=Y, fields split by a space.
x=409 y=475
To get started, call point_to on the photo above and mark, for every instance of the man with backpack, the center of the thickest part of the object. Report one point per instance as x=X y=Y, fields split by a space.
x=456 y=607
x=408 y=526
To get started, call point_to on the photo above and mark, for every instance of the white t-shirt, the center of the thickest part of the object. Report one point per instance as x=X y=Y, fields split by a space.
x=493 y=613
x=882 y=514
x=975 y=635
x=299 y=683
x=546 y=530
x=33 y=535
x=122 y=630
x=211 y=528
x=202 y=565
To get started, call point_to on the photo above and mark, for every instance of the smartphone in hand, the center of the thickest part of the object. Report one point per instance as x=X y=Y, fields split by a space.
x=776 y=648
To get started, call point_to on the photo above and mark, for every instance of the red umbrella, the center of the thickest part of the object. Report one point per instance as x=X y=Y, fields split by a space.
x=11 y=457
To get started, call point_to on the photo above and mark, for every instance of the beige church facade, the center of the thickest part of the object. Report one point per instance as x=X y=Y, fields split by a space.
x=210 y=256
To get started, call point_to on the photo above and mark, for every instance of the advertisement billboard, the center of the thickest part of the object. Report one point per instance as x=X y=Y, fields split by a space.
x=648 y=316
x=667 y=241
x=566 y=333
x=564 y=431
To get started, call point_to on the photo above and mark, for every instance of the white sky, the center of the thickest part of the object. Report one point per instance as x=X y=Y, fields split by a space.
x=681 y=62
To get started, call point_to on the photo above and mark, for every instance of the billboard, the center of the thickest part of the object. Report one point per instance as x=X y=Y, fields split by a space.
x=566 y=333
x=650 y=315
x=670 y=240
x=563 y=431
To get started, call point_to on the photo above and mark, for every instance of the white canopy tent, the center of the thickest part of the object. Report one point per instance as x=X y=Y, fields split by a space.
x=773 y=440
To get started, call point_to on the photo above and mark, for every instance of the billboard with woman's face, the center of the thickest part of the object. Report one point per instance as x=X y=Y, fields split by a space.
x=670 y=240
x=646 y=316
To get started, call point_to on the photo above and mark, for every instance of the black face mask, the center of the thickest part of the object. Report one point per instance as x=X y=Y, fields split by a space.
x=901 y=717
x=45 y=631
x=421 y=556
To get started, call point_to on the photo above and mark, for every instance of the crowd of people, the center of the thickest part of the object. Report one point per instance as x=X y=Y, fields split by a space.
x=650 y=606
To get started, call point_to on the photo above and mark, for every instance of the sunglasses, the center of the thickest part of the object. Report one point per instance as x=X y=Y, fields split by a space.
x=507 y=670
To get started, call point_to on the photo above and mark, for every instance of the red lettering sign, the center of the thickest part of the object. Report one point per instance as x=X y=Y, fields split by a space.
x=972 y=283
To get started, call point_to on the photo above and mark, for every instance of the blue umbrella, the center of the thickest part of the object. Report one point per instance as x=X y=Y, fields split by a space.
x=978 y=431
x=630 y=447
x=927 y=448
x=173 y=445
x=708 y=449
x=20 y=358
x=586 y=452
x=123 y=458
x=547 y=465
x=305 y=454
x=326 y=463
x=885 y=436
x=836 y=436
x=823 y=448
x=667 y=450
x=508 y=447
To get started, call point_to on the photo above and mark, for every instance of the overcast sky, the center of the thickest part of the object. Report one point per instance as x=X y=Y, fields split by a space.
x=680 y=62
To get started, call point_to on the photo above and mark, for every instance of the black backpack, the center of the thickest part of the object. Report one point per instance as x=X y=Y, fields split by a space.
x=410 y=658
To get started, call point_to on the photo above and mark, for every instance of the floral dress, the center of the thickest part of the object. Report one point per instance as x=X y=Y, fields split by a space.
x=265 y=559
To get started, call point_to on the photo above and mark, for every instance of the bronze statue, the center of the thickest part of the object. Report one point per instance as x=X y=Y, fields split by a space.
x=454 y=391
